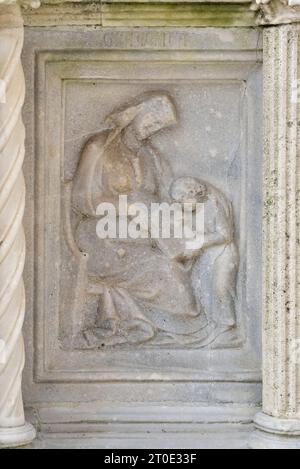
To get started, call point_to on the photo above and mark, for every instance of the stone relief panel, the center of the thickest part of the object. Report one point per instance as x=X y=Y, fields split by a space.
x=150 y=291
x=173 y=118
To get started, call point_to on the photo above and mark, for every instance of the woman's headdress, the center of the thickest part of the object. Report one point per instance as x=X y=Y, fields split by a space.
x=156 y=102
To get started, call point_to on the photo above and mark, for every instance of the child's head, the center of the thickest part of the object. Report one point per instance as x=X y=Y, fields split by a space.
x=188 y=190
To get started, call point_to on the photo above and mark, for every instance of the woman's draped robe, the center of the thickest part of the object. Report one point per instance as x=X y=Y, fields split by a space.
x=144 y=296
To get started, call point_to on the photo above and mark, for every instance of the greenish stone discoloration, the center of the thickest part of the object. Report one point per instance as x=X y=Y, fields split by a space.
x=170 y=14
x=141 y=13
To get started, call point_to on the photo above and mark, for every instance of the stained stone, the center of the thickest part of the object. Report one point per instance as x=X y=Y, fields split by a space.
x=135 y=329
x=140 y=333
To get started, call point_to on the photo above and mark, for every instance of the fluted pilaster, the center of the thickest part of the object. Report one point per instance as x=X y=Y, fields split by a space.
x=281 y=240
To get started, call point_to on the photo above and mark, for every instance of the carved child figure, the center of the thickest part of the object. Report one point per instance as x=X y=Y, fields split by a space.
x=214 y=272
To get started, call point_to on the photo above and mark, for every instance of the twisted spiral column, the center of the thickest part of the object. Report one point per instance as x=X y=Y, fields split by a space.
x=13 y=429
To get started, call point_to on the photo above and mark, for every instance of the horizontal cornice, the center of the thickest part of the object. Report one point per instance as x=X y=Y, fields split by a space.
x=158 y=13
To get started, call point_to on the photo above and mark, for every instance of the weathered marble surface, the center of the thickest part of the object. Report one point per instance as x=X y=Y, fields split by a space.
x=197 y=13
x=216 y=139
x=281 y=357
x=198 y=437
x=229 y=13
x=278 y=426
x=151 y=290
x=13 y=429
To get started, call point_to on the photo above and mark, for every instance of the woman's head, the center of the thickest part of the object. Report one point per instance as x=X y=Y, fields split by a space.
x=146 y=116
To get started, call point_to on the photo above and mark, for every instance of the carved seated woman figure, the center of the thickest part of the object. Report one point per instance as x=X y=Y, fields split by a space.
x=214 y=264
x=148 y=291
x=145 y=297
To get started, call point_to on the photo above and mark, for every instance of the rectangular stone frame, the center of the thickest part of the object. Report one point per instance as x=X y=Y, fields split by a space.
x=279 y=424
x=54 y=70
x=44 y=377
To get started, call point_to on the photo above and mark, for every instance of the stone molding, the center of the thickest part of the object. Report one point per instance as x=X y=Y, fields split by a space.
x=286 y=427
x=229 y=13
x=120 y=13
